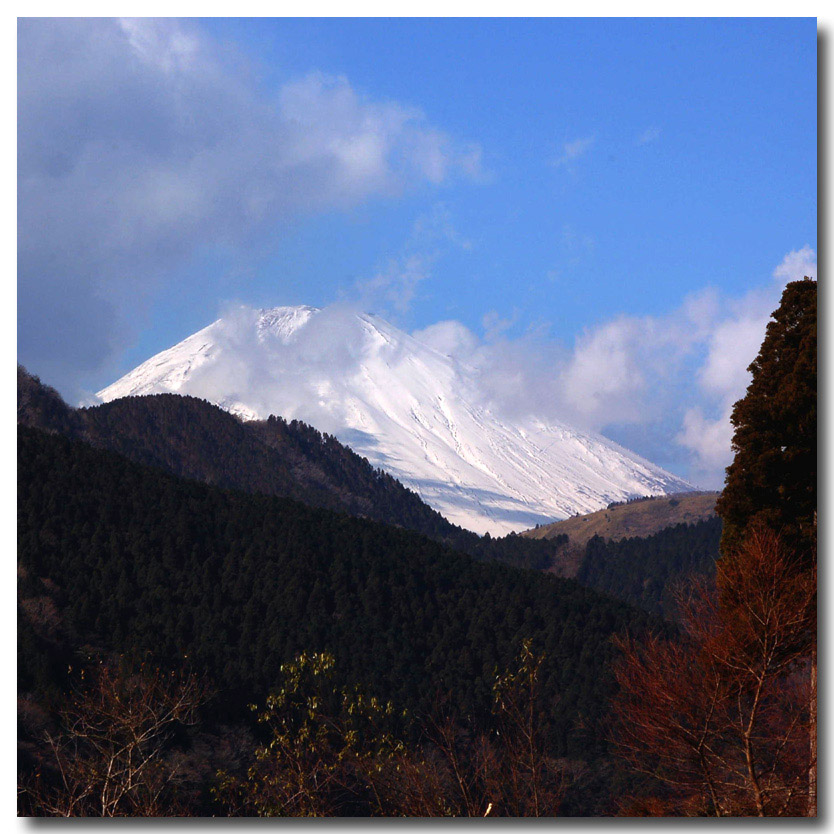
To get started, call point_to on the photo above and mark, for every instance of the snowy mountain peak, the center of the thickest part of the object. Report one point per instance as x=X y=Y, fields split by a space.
x=283 y=322
x=410 y=410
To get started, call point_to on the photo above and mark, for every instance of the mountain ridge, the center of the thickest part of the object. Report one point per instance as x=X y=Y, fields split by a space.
x=409 y=409
x=639 y=518
x=192 y=438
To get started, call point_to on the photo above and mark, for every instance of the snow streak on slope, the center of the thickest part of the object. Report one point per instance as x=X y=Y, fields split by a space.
x=410 y=410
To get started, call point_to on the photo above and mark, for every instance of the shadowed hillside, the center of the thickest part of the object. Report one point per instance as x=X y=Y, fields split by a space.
x=130 y=559
x=192 y=438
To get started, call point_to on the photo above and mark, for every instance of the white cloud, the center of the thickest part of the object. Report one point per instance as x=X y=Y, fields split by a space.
x=573 y=150
x=450 y=338
x=495 y=326
x=797 y=265
x=677 y=376
x=392 y=289
x=621 y=371
x=605 y=375
x=709 y=441
x=396 y=284
x=732 y=344
x=157 y=44
x=141 y=142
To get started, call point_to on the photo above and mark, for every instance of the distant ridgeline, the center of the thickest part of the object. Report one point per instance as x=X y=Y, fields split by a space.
x=640 y=550
x=629 y=501
x=192 y=438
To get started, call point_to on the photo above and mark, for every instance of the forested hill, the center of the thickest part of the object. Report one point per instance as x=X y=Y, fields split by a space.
x=124 y=557
x=192 y=438
x=637 y=518
x=648 y=571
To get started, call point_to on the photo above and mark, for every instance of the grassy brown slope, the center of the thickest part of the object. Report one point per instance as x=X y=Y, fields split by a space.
x=639 y=518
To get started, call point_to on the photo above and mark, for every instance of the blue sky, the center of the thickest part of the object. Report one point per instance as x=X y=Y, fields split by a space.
x=603 y=201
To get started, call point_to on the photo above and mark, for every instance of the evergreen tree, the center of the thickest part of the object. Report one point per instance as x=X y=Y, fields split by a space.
x=772 y=481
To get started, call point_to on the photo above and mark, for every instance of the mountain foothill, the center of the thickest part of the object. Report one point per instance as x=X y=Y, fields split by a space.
x=164 y=527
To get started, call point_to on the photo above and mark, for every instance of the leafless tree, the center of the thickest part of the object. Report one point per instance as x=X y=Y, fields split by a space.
x=461 y=771
x=109 y=757
x=720 y=717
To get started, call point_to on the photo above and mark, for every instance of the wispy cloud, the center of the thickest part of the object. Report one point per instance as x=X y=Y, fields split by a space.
x=572 y=248
x=731 y=345
x=140 y=142
x=676 y=376
x=392 y=289
x=797 y=265
x=395 y=285
x=572 y=151
x=495 y=326
x=575 y=245
x=650 y=134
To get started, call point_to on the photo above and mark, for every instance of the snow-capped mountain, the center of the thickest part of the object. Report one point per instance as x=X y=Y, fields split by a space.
x=410 y=410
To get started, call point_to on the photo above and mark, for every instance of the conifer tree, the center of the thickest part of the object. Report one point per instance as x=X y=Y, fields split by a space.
x=772 y=481
x=724 y=717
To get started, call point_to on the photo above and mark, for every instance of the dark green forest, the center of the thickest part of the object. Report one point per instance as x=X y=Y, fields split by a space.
x=192 y=438
x=164 y=528
x=772 y=480
x=127 y=559
x=647 y=571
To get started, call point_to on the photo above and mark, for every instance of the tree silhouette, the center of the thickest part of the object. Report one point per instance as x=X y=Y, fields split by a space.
x=772 y=480
x=724 y=718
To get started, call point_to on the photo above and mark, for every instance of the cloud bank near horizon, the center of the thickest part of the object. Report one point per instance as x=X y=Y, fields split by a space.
x=676 y=376
x=661 y=385
x=142 y=141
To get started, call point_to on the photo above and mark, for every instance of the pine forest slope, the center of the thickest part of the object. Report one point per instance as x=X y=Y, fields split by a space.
x=648 y=572
x=136 y=560
x=192 y=438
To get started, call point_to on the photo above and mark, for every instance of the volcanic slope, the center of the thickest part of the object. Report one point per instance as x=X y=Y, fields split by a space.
x=410 y=410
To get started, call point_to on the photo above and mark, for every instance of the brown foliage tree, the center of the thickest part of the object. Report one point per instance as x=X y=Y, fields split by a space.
x=720 y=718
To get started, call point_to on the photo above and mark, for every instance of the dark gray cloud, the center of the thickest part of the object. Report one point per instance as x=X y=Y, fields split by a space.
x=140 y=142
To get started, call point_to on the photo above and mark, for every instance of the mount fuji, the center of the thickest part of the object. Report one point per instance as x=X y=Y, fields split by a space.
x=410 y=410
